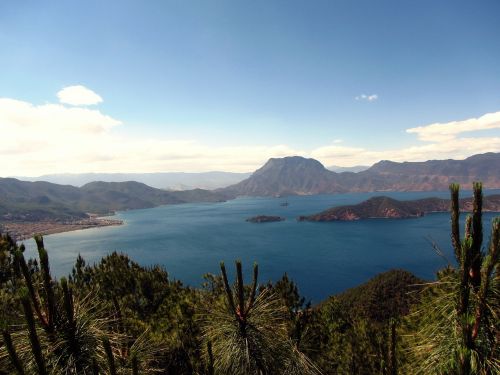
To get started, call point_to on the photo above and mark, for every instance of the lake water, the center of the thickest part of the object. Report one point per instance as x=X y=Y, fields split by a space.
x=190 y=240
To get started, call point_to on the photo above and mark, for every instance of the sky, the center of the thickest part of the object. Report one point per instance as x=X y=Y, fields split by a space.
x=159 y=86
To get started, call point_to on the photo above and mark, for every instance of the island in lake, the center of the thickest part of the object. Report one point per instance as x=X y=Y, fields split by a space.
x=389 y=208
x=265 y=219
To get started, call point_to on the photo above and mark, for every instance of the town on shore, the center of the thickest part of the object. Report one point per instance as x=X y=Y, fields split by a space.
x=22 y=230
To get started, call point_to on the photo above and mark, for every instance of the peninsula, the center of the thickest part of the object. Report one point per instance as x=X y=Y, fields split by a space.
x=389 y=208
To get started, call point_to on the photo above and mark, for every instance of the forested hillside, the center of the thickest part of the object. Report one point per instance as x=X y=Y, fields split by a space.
x=117 y=317
x=23 y=200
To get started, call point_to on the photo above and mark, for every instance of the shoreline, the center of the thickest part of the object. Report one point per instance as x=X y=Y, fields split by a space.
x=23 y=230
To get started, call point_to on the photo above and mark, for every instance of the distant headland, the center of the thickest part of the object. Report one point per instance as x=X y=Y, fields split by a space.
x=389 y=208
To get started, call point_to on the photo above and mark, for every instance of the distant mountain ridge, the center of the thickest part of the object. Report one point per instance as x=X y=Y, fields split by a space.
x=24 y=200
x=166 y=180
x=295 y=175
x=355 y=169
x=300 y=176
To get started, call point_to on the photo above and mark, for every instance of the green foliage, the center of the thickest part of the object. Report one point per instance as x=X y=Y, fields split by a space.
x=299 y=311
x=147 y=304
x=398 y=289
x=59 y=332
x=14 y=358
x=357 y=332
x=247 y=332
x=120 y=317
x=455 y=330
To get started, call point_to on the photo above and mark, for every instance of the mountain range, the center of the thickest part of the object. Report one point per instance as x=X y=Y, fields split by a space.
x=296 y=175
x=355 y=168
x=34 y=201
x=167 y=180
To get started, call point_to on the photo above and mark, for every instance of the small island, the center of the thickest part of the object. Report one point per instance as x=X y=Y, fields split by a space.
x=388 y=208
x=265 y=219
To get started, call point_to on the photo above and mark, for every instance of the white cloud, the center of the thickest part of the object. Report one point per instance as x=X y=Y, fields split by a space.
x=369 y=98
x=78 y=95
x=52 y=118
x=54 y=138
x=441 y=141
x=440 y=132
x=457 y=148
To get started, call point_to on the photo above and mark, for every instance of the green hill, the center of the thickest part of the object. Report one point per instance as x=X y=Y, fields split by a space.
x=33 y=201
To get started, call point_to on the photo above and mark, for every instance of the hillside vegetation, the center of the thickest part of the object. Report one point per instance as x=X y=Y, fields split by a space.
x=117 y=317
x=22 y=200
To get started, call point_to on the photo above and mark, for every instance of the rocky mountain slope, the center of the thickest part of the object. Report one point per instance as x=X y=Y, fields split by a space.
x=300 y=176
x=292 y=175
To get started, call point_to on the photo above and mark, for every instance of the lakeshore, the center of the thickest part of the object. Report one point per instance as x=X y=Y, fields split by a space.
x=190 y=240
x=22 y=230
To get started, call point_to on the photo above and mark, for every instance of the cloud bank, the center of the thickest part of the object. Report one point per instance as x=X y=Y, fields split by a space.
x=448 y=131
x=57 y=138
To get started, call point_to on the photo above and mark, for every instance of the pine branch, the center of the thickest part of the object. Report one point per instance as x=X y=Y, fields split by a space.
x=31 y=289
x=490 y=261
x=47 y=283
x=253 y=291
x=477 y=236
x=135 y=365
x=109 y=356
x=14 y=359
x=241 y=290
x=227 y=288
x=95 y=367
x=455 y=218
x=35 y=342
x=210 y=367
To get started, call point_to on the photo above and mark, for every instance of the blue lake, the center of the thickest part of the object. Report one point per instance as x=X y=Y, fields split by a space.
x=190 y=240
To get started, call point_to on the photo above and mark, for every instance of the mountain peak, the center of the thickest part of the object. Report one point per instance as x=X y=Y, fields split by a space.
x=381 y=165
x=290 y=175
x=290 y=163
x=296 y=175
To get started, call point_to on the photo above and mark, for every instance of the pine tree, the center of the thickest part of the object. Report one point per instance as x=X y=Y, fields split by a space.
x=247 y=332
x=458 y=326
x=61 y=333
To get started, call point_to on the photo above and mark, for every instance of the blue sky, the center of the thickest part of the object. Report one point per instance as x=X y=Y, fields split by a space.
x=203 y=85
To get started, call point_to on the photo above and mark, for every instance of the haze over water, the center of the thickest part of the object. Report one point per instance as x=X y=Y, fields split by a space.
x=190 y=240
